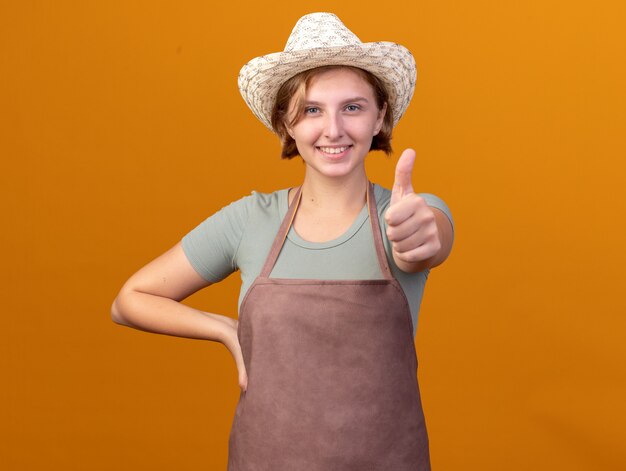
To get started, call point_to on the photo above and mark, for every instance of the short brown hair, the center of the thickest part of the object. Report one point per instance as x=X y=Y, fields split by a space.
x=295 y=88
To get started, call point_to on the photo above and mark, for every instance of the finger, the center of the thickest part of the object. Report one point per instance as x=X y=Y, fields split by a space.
x=402 y=184
x=424 y=236
x=423 y=252
x=404 y=209
x=242 y=373
x=416 y=249
x=243 y=380
x=404 y=230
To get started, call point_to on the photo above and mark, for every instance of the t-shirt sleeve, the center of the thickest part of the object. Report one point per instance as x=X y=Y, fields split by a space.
x=436 y=202
x=211 y=247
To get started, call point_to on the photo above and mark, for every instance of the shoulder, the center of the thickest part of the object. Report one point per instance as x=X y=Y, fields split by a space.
x=260 y=206
x=266 y=201
x=232 y=220
x=254 y=204
x=255 y=214
x=213 y=246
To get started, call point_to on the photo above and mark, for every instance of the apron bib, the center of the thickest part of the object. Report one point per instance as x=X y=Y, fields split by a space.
x=332 y=373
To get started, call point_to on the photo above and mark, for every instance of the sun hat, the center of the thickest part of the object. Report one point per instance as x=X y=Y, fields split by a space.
x=320 y=39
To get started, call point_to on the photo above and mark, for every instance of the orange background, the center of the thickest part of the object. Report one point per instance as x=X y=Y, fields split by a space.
x=121 y=128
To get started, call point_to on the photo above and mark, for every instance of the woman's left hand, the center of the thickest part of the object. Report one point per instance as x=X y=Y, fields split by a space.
x=411 y=224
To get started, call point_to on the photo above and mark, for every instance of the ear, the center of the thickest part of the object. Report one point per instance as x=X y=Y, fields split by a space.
x=380 y=119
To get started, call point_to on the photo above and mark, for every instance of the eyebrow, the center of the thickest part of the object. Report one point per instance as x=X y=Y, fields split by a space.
x=349 y=100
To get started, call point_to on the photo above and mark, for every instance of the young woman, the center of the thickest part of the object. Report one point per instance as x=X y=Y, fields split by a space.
x=332 y=271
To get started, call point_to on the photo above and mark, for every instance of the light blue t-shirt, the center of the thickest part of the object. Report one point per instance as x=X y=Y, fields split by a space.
x=240 y=235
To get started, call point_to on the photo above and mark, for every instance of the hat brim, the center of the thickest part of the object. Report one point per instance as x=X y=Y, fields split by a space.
x=260 y=79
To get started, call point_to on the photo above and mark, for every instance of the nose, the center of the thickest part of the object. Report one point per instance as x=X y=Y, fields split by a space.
x=333 y=126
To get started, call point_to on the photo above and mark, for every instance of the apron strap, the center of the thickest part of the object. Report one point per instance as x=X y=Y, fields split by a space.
x=378 y=238
x=279 y=240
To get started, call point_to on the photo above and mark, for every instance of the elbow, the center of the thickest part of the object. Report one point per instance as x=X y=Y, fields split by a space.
x=117 y=313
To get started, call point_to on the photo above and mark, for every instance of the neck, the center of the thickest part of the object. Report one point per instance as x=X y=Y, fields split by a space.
x=333 y=194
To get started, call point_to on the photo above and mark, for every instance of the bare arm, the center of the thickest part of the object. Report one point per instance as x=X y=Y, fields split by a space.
x=150 y=301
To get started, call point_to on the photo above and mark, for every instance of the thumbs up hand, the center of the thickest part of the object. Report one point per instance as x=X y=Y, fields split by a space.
x=411 y=224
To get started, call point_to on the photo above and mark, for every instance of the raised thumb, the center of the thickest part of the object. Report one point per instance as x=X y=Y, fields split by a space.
x=402 y=184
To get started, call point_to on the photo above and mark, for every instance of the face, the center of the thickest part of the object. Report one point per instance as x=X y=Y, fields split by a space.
x=337 y=123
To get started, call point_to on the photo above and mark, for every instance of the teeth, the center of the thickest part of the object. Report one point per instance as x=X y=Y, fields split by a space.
x=333 y=150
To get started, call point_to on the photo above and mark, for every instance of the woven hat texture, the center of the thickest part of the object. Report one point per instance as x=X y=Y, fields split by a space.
x=320 y=39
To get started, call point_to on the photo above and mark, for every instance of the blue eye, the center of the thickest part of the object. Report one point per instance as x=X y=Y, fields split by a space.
x=353 y=108
x=311 y=110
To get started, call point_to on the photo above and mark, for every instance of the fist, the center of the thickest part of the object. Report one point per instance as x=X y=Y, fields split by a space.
x=411 y=224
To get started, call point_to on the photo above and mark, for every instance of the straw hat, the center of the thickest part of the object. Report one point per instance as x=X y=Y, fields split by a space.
x=320 y=39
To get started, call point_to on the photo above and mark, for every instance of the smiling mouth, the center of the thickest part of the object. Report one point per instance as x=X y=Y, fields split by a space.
x=334 y=150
